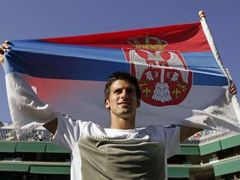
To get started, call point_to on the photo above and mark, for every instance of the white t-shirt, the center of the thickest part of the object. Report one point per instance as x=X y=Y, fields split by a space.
x=69 y=131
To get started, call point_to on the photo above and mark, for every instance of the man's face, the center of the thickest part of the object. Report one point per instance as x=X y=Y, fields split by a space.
x=122 y=101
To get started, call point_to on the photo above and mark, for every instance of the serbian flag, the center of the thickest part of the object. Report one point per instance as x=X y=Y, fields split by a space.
x=181 y=81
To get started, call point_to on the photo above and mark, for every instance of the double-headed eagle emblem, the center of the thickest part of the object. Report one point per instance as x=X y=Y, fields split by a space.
x=163 y=75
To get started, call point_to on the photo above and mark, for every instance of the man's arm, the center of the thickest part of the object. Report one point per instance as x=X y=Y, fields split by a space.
x=51 y=126
x=186 y=132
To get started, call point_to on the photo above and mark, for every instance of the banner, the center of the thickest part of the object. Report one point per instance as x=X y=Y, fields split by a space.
x=181 y=81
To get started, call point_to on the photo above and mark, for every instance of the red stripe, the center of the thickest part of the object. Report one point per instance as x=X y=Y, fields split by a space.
x=183 y=37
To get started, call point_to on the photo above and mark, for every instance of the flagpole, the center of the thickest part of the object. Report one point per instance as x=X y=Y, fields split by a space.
x=216 y=54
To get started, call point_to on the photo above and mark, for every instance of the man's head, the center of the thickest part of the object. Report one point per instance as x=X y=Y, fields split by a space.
x=122 y=96
x=122 y=76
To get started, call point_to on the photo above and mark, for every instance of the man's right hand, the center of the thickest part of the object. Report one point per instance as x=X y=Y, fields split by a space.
x=3 y=48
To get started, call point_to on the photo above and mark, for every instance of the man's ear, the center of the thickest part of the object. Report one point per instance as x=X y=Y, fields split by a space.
x=107 y=104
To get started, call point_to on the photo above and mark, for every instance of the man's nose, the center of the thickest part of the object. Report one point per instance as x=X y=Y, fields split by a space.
x=124 y=94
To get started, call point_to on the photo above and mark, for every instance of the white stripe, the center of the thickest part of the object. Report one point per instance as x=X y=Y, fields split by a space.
x=85 y=100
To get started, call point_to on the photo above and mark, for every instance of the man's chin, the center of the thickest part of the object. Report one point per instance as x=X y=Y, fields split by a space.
x=125 y=113
x=126 y=110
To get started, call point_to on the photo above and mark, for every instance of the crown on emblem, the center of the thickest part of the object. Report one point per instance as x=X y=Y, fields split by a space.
x=147 y=42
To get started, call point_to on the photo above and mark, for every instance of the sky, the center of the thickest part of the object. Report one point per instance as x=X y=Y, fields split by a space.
x=31 y=19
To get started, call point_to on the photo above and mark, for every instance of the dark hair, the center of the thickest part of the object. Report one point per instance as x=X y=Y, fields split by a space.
x=120 y=75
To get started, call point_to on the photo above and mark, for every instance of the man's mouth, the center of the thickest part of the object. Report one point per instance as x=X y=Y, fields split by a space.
x=125 y=103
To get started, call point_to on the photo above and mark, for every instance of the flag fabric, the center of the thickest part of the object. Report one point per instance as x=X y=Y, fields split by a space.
x=180 y=79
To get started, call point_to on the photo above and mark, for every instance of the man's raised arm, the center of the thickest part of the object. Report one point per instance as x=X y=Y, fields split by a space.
x=186 y=132
x=36 y=111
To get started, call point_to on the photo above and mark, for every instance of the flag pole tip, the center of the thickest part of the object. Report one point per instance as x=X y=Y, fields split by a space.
x=201 y=14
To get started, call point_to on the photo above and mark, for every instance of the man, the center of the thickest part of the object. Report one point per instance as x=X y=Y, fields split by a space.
x=121 y=151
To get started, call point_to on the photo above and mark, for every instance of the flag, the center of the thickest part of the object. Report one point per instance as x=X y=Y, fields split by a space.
x=181 y=81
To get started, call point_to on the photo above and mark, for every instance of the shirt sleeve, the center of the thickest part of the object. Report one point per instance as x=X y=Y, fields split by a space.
x=168 y=136
x=172 y=140
x=68 y=131
x=26 y=109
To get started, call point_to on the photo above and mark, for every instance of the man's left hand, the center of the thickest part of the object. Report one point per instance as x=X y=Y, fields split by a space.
x=3 y=49
x=233 y=89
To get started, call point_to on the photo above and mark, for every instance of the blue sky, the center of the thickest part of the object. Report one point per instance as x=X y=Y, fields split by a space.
x=30 y=19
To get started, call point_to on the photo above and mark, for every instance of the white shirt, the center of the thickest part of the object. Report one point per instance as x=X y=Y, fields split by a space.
x=69 y=131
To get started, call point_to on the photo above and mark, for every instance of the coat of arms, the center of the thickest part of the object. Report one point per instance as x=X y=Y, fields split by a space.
x=163 y=75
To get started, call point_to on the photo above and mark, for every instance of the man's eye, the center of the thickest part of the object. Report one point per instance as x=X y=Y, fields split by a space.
x=118 y=91
x=130 y=91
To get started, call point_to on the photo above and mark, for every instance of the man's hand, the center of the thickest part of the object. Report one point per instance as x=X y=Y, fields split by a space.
x=233 y=89
x=3 y=48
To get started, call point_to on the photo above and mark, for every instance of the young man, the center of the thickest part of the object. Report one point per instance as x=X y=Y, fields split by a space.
x=121 y=151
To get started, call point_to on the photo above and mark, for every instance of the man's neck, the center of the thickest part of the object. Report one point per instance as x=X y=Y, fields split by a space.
x=122 y=123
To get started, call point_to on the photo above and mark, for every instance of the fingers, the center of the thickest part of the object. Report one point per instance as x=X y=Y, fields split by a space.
x=233 y=89
x=1 y=58
x=3 y=48
x=7 y=42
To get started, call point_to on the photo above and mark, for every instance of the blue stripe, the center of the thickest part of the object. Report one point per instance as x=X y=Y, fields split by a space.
x=206 y=70
x=60 y=67
x=203 y=79
x=202 y=61
x=58 y=61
